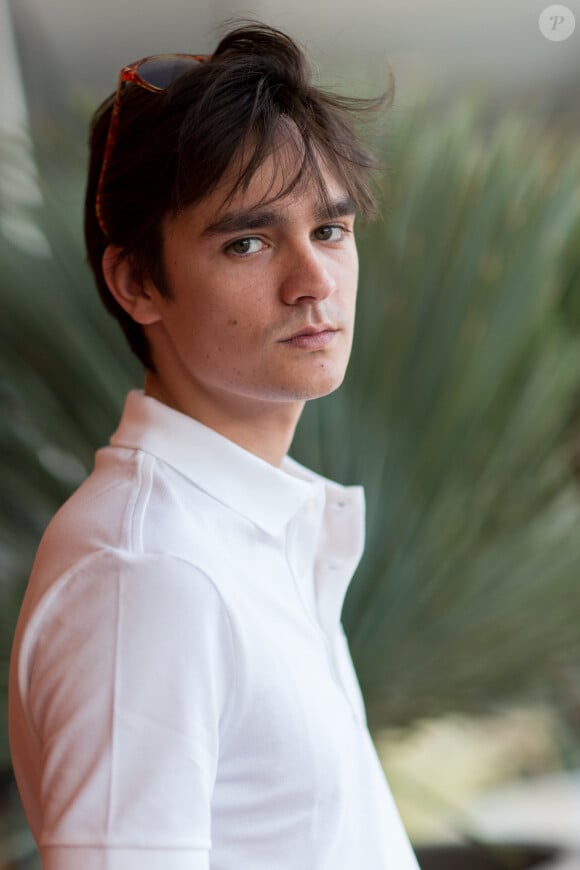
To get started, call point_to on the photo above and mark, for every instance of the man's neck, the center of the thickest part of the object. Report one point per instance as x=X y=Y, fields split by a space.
x=263 y=428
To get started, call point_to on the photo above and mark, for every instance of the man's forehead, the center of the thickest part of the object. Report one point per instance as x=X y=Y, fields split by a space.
x=281 y=186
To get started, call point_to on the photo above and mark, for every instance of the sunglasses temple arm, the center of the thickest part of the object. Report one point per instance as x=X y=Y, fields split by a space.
x=109 y=145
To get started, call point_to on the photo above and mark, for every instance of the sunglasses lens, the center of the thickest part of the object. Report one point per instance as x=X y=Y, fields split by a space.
x=161 y=72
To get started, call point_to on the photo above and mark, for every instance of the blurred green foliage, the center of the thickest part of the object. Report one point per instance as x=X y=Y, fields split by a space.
x=458 y=413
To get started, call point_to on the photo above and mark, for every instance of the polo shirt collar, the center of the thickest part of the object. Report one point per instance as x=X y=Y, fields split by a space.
x=268 y=496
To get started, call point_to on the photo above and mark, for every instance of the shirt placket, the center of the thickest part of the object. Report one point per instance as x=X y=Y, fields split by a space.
x=334 y=567
x=303 y=538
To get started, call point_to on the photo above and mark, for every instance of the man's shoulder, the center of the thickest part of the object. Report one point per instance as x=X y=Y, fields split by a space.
x=131 y=507
x=91 y=518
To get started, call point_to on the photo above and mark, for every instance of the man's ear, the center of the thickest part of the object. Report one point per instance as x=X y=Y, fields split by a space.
x=137 y=298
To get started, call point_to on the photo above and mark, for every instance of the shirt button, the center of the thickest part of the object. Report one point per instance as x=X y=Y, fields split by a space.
x=310 y=505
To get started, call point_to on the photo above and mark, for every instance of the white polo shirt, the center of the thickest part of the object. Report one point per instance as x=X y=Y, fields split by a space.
x=182 y=695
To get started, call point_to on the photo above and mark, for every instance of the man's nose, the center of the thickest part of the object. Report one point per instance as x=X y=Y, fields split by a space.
x=306 y=277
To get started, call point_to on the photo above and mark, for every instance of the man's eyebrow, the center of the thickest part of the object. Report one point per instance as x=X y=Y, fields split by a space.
x=258 y=218
x=345 y=206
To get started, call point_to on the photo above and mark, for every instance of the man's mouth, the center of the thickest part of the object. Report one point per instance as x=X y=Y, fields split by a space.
x=312 y=337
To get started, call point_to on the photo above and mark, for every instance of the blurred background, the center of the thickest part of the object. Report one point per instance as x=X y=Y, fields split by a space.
x=460 y=413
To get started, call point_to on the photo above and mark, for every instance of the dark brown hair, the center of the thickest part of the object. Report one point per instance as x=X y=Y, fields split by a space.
x=173 y=148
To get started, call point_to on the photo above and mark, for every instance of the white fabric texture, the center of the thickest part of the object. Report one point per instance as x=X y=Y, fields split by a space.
x=182 y=695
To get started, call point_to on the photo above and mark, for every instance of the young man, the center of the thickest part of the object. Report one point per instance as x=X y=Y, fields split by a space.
x=182 y=693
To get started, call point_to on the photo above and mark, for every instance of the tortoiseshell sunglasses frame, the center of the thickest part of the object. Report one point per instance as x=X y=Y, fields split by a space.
x=130 y=73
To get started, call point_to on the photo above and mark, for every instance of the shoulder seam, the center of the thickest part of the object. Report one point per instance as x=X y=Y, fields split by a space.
x=140 y=502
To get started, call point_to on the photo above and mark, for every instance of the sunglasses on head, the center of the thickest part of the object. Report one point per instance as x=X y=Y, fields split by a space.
x=154 y=73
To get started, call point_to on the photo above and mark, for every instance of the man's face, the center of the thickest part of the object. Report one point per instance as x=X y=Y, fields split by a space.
x=263 y=296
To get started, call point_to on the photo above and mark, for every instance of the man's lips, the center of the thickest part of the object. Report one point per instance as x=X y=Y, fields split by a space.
x=312 y=337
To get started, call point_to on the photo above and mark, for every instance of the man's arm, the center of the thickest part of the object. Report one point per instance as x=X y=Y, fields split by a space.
x=129 y=676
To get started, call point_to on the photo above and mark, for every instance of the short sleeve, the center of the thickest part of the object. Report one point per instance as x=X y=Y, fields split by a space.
x=131 y=679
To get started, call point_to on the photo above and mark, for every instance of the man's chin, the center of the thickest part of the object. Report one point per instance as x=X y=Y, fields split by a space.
x=322 y=386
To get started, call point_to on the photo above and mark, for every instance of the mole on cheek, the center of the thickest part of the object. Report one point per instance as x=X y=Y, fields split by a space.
x=232 y=322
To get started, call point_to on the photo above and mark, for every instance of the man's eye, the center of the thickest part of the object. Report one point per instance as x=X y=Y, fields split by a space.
x=330 y=233
x=245 y=246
